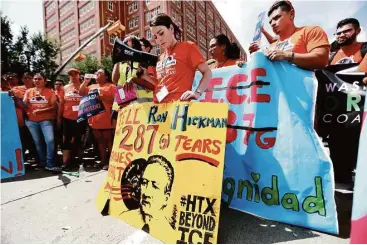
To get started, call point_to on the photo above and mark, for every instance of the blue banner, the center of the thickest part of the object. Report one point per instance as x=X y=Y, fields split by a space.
x=11 y=149
x=275 y=165
x=359 y=213
x=90 y=105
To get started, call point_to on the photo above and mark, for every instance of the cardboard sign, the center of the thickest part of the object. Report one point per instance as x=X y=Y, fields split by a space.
x=12 y=164
x=166 y=168
x=90 y=105
x=275 y=165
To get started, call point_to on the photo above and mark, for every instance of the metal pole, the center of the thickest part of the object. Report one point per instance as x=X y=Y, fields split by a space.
x=101 y=30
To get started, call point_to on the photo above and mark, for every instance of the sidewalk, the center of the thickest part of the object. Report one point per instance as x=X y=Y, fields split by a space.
x=47 y=208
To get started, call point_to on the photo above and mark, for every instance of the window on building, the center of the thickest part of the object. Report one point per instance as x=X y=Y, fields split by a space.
x=51 y=7
x=67 y=22
x=148 y=34
x=112 y=39
x=133 y=7
x=191 y=3
x=202 y=27
x=51 y=20
x=147 y=1
x=70 y=35
x=173 y=14
x=202 y=4
x=203 y=41
x=86 y=8
x=134 y=22
x=190 y=15
x=110 y=5
x=217 y=23
x=150 y=14
x=87 y=24
x=66 y=8
x=52 y=32
x=179 y=21
x=210 y=14
x=191 y=30
x=177 y=3
x=201 y=14
x=204 y=53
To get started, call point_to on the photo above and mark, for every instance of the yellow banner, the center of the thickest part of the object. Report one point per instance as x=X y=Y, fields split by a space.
x=166 y=169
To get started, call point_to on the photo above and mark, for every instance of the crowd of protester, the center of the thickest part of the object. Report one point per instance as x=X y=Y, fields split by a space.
x=43 y=112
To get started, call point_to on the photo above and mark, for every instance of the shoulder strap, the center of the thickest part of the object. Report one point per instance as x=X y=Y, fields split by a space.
x=364 y=49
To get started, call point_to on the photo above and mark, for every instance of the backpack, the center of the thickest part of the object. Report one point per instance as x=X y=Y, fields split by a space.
x=363 y=52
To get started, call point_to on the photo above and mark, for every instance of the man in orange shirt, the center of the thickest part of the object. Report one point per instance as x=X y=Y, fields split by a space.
x=349 y=50
x=307 y=47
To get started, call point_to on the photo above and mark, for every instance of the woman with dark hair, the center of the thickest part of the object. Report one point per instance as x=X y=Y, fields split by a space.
x=223 y=52
x=177 y=65
x=102 y=126
x=41 y=102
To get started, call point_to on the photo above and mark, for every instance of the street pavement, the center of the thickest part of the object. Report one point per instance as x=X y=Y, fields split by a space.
x=42 y=207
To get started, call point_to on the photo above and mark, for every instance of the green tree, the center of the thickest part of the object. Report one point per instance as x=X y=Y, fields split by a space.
x=88 y=65
x=44 y=52
x=6 y=44
x=106 y=63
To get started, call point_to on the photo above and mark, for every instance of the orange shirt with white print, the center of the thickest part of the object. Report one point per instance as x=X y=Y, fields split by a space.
x=348 y=54
x=103 y=120
x=303 y=40
x=19 y=91
x=363 y=65
x=176 y=70
x=72 y=99
x=38 y=100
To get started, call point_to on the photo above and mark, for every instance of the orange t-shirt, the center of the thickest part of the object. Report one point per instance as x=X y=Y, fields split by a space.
x=103 y=120
x=303 y=40
x=228 y=62
x=348 y=54
x=363 y=65
x=19 y=91
x=38 y=100
x=72 y=99
x=176 y=70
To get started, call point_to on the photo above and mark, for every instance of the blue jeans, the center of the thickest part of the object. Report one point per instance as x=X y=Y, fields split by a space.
x=47 y=129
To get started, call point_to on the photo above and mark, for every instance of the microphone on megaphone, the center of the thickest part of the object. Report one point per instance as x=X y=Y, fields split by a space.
x=122 y=52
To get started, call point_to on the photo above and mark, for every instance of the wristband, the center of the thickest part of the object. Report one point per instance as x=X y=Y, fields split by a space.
x=292 y=57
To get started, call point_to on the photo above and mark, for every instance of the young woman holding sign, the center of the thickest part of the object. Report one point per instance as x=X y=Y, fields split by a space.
x=41 y=102
x=72 y=131
x=177 y=65
x=102 y=125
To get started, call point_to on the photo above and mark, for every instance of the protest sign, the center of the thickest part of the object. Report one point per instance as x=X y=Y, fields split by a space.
x=339 y=109
x=259 y=24
x=359 y=212
x=11 y=149
x=275 y=165
x=166 y=168
x=90 y=105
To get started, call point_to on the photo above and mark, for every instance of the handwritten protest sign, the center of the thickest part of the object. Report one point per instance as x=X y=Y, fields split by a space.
x=275 y=165
x=166 y=168
x=259 y=24
x=359 y=213
x=90 y=105
x=11 y=149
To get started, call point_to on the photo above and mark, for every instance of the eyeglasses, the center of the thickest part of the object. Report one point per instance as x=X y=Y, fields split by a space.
x=343 y=32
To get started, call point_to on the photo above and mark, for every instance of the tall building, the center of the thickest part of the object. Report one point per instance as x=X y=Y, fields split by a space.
x=72 y=23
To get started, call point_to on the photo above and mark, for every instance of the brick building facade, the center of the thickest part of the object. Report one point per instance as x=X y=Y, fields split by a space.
x=71 y=23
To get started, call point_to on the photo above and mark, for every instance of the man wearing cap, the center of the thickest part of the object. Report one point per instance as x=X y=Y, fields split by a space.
x=67 y=115
x=307 y=47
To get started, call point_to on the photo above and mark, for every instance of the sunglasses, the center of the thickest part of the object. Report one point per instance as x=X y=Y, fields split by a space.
x=343 y=32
